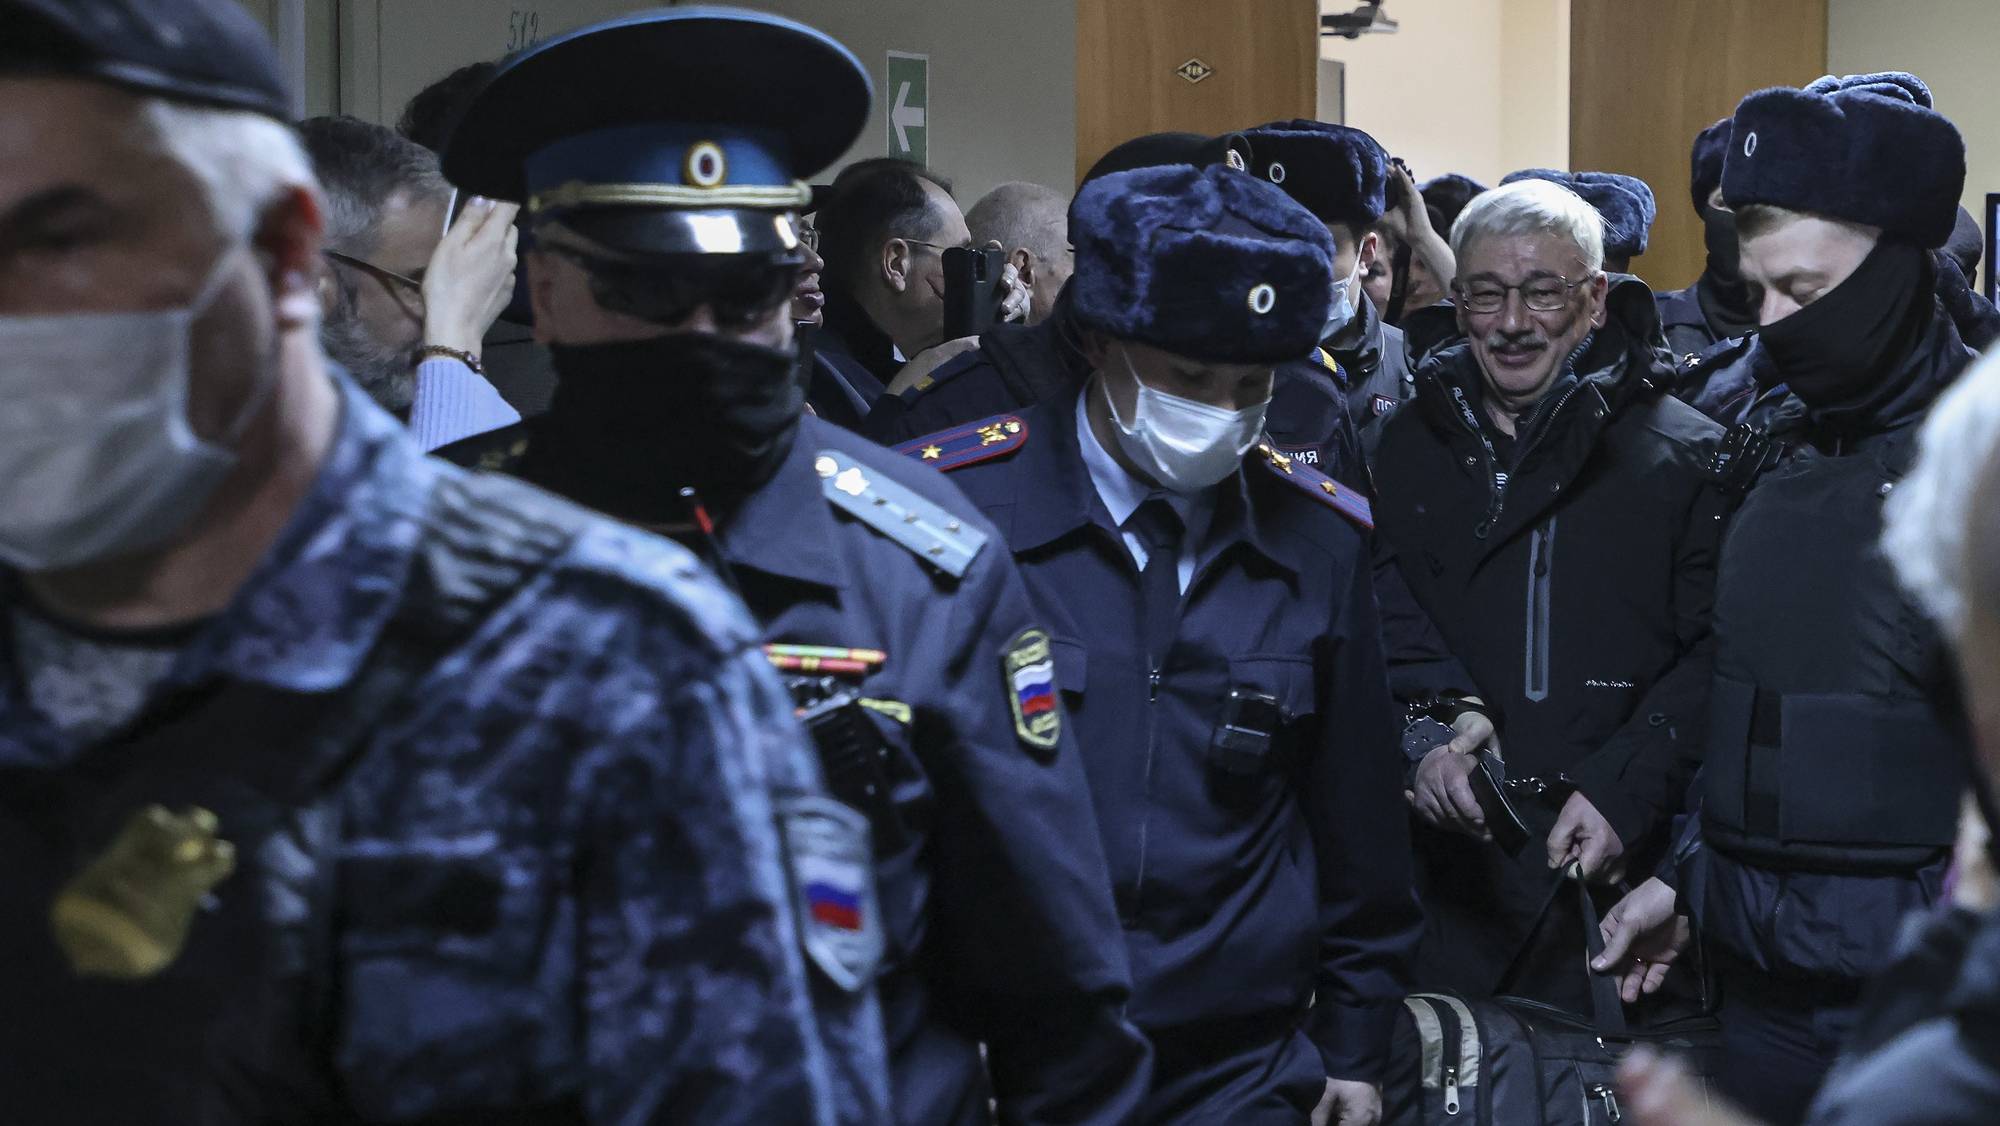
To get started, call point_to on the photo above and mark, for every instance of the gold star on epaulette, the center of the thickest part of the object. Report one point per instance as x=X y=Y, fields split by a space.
x=1278 y=460
x=1328 y=489
x=932 y=453
x=993 y=435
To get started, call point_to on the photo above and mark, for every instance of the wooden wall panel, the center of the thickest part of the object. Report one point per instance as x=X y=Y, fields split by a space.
x=1265 y=55
x=1645 y=77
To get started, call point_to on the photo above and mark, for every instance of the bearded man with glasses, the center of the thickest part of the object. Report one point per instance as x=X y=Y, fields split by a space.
x=1551 y=510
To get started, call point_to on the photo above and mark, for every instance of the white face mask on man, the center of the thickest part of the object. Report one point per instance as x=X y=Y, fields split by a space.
x=1184 y=445
x=1344 y=311
x=97 y=457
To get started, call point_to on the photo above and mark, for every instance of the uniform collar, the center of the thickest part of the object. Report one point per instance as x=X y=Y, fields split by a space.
x=1055 y=496
x=786 y=528
x=1123 y=493
x=1358 y=344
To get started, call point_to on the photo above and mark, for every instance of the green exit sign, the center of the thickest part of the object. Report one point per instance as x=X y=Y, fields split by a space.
x=908 y=93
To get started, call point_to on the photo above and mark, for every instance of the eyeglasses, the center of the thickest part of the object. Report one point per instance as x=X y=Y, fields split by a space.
x=738 y=289
x=809 y=237
x=966 y=245
x=386 y=277
x=1544 y=294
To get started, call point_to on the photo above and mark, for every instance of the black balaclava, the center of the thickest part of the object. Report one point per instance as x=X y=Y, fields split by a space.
x=1724 y=297
x=640 y=420
x=1842 y=354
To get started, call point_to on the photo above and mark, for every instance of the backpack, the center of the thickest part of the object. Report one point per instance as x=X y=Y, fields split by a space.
x=1511 y=1061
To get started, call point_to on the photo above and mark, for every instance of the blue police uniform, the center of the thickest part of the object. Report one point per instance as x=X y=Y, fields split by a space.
x=541 y=879
x=1244 y=769
x=901 y=625
x=1000 y=925
x=1243 y=891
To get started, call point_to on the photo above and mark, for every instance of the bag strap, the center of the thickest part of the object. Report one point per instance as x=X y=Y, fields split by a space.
x=1607 y=1015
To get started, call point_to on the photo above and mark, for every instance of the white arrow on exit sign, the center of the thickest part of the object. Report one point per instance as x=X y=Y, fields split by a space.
x=905 y=116
x=909 y=85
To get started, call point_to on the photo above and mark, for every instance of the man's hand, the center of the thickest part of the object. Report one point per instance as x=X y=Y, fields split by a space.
x=1014 y=306
x=1411 y=223
x=1583 y=836
x=1348 y=1102
x=1642 y=937
x=1443 y=794
x=928 y=361
x=471 y=276
x=1658 y=1091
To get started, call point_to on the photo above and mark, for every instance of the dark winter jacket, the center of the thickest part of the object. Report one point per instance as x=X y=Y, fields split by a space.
x=1579 y=593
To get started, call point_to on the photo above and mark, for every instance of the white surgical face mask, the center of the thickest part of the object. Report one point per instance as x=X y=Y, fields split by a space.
x=97 y=458
x=1343 y=303
x=1184 y=445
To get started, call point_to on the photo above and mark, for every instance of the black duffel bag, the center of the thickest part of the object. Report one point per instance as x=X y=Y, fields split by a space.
x=1511 y=1061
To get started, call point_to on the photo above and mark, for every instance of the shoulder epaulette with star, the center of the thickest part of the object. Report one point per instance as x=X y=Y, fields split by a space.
x=1317 y=485
x=969 y=444
x=931 y=533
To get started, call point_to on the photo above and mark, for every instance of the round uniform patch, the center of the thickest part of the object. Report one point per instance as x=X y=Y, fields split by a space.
x=706 y=166
x=1277 y=173
x=1750 y=145
x=1263 y=299
x=1028 y=669
x=1235 y=160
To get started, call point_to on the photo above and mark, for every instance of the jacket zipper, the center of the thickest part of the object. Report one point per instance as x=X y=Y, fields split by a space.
x=1498 y=492
x=1541 y=568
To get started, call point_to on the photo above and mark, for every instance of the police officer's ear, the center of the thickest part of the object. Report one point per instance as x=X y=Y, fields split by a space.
x=1095 y=348
x=896 y=264
x=1371 y=249
x=287 y=240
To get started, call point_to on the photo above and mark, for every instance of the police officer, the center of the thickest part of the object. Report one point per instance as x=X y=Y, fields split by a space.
x=1015 y=367
x=1835 y=757
x=1213 y=623
x=660 y=192
x=1717 y=306
x=1341 y=175
x=1625 y=203
x=336 y=785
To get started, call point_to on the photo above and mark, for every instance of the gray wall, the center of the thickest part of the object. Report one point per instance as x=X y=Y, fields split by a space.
x=1002 y=72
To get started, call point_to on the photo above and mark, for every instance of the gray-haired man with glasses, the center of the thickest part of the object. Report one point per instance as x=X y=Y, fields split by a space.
x=1551 y=512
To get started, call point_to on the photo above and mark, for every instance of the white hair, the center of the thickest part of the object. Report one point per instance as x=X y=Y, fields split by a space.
x=1941 y=525
x=1531 y=207
x=244 y=161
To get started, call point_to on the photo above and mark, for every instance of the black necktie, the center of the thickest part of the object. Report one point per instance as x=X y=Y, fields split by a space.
x=1160 y=529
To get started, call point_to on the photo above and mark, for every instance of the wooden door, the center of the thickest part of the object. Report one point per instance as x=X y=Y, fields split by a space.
x=1647 y=75
x=1199 y=66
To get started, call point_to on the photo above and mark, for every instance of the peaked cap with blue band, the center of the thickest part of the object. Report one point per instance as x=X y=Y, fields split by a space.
x=1711 y=145
x=1625 y=202
x=1208 y=263
x=204 y=52
x=675 y=131
x=1338 y=173
x=1867 y=148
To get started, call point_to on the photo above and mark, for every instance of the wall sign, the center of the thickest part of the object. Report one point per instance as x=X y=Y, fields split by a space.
x=909 y=94
x=1194 y=70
